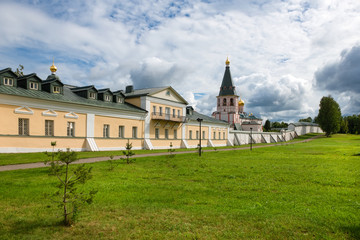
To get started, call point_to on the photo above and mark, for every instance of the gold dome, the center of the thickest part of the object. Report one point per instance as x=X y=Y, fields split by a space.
x=227 y=61
x=241 y=102
x=53 y=68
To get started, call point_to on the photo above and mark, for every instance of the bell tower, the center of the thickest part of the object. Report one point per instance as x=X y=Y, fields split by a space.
x=227 y=100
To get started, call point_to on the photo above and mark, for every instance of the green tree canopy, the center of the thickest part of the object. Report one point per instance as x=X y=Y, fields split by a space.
x=309 y=119
x=267 y=126
x=329 y=117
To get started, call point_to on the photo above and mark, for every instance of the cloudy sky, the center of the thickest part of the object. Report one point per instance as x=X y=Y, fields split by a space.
x=285 y=54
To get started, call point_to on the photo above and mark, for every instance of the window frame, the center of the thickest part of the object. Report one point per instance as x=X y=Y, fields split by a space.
x=33 y=85
x=24 y=126
x=157 y=133
x=134 y=132
x=9 y=80
x=190 y=134
x=70 y=130
x=175 y=134
x=166 y=133
x=49 y=128
x=92 y=95
x=56 y=89
x=121 y=131
x=106 y=131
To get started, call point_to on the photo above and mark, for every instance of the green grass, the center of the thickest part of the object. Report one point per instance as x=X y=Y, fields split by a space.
x=299 y=191
x=18 y=158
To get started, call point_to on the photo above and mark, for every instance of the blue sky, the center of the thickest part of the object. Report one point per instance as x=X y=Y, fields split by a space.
x=285 y=55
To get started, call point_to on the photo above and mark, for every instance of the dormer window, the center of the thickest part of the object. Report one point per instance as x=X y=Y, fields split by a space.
x=34 y=85
x=8 y=81
x=107 y=98
x=56 y=89
x=92 y=95
x=120 y=100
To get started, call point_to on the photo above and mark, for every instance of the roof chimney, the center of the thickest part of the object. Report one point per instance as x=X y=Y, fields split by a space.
x=129 y=89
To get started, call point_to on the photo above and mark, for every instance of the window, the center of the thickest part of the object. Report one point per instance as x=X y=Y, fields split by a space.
x=106 y=131
x=190 y=134
x=214 y=135
x=160 y=111
x=92 y=95
x=224 y=102
x=231 y=102
x=203 y=135
x=175 y=134
x=49 y=128
x=156 y=133
x=219 y=135
x=168 y=93
x=167 y=111
x=223 y=135
x=8 y=81
x=197 y=134
x=70 y=129
x=23 y=126
x=174 y=115
x=154 y=110
x=56 y=89
x=218 y=101
x=166 y=133
x=134 y=132
x=34 y=85
x=121 y=131
x=120 y=100
x=178 y=113
x=107 y=98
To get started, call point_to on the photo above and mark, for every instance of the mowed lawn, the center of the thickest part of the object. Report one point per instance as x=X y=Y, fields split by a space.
x=299 y=191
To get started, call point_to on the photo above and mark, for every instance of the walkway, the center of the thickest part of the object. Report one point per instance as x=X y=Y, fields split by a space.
x=100 y=159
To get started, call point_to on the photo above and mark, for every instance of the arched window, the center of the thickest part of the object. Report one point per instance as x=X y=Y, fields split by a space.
x=218 y=101
x=231 y=102
x=224 y=102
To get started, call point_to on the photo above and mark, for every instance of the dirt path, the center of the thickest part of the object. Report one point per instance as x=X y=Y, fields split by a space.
x=100 y=159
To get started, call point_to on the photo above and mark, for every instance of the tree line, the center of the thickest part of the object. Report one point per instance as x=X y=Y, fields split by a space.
x=329 y=119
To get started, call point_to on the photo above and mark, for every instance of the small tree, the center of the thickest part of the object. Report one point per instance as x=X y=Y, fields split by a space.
x=329 y=116
x=112 y=163
x=68 y=196
x=170 y=151
x=128 y=153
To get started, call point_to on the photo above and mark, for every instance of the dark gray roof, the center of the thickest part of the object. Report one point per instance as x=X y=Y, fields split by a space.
x=67 y=97
x=76 y=89
x=227 y=86
x=144 y=92
x=195 y=115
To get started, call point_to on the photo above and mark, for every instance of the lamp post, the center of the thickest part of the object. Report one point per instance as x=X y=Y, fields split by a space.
x=200 y=120
x=251 y=139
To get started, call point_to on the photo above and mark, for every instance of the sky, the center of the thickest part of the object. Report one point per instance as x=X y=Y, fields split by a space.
x=285 y=55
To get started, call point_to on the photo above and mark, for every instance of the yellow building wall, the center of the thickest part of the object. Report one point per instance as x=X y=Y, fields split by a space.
x=134 y=101
x=163 y=108
x=194 y=129
x=118 y=143
x=9 y=122
x=41 y=142
x=114 y=123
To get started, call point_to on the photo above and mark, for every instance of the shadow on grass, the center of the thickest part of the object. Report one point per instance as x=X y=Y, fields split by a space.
x=26 y=226
x=353 y=231
x=356 y=154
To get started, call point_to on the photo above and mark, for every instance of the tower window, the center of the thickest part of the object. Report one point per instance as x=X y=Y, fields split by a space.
x=218 y=102
x=231 y=102
x=224 y=102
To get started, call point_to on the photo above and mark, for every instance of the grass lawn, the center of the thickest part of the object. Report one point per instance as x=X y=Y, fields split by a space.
x=18 y=158
x=300 y=191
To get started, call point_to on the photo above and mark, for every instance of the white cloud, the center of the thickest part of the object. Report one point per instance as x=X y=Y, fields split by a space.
x=276 y=46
